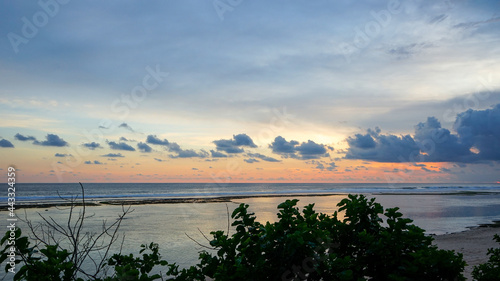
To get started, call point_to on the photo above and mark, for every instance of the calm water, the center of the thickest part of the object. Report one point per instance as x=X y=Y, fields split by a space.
x=437 y=208
x=39 y=192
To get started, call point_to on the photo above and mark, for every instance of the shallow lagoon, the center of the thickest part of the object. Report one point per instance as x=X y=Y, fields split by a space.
x=170 y=224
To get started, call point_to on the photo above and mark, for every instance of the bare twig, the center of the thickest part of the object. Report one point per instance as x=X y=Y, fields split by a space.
x=82 y=245
x=199 y=244
x=227 y=211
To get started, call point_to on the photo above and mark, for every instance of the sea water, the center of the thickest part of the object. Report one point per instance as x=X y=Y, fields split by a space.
x=45 y=192
x=180 y=229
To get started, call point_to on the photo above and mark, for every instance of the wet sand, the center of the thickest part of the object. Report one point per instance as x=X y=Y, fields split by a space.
x=473 y=244
x=142 y=201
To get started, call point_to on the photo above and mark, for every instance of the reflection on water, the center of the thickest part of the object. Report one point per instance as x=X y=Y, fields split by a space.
x=440 y=214
x=266 y=208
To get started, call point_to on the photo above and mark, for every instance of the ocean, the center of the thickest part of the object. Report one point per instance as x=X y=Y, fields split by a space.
x=46 y=192
x=437 y=208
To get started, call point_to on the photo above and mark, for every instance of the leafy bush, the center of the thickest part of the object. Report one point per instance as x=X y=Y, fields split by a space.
x=307 y=245
x=489 y=271
x=51 y=264
x=127 y=267
x=314 y=246
x=48 y=260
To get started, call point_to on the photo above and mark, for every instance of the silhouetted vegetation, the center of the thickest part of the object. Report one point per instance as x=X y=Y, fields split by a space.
x=489 y=271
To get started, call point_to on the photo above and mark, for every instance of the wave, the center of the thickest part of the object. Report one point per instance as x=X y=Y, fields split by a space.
x=101 y=191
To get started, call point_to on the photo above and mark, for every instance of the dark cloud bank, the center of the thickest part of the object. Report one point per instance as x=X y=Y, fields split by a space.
x=477 y=139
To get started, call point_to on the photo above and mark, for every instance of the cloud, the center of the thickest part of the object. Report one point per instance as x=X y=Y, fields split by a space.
x=184 y=153
x=92 y=145
x=235 y=144
x=189 y=153
x=52 y=140
x=227 y=146
x=120 y=146
x=114 y=155
x=381 y=148
x=126 y=126
x=439 y=145
x=23 y=138
x=61 y=155
x=362 y=141
x=5 y=143
x=294 y=149
x=331 y=166
x=159 y=160
x=251 y=160
x=243 y=140
x=311 y=150
x=477 y=139
x=144 y=147
x=320 y=165
x=480 y=129
x=473 y=24
x=281 y=146
x=152 y=139
x=95 y=162
x=438 y=19
x=408 y=50
x=173 y=147
x=176 y=148
x=216 y=154
x=263 y=157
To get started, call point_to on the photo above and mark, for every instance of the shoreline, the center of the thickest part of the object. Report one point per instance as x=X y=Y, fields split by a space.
x=28 y=204
x=472 y=243
x=136 y=201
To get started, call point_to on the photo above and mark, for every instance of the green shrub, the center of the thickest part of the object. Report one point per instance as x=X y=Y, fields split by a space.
x=307 y=245
x=49 y=264
x=489 y=271
x=128 y=267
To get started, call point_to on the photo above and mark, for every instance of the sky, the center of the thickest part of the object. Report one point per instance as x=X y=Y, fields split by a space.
x=250 y=91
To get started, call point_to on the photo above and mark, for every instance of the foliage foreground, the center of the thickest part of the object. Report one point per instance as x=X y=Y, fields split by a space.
x=359 y=242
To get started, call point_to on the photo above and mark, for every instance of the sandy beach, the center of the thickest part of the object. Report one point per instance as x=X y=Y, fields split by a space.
x=473 y=244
